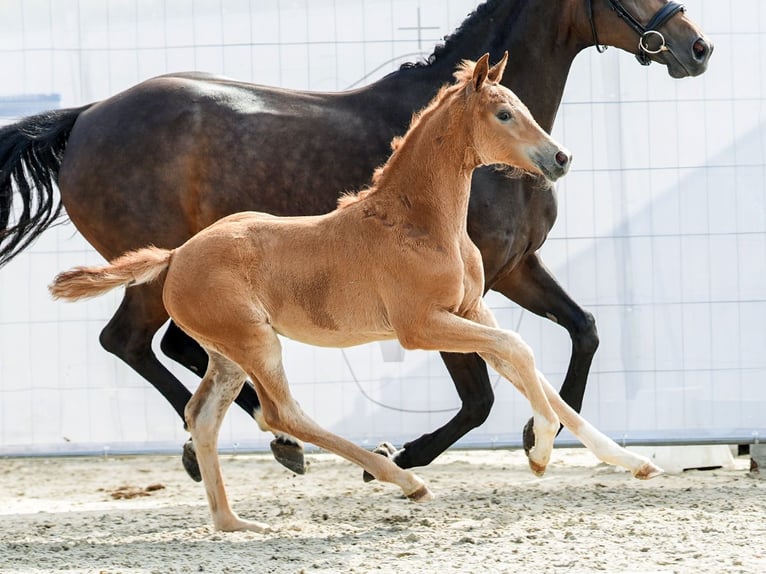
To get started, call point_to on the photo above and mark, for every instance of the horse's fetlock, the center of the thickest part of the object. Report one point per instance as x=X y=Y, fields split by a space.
x=260 y=419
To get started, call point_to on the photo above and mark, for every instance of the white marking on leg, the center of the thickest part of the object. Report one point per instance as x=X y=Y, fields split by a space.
x=545 y=433
x=601 y=445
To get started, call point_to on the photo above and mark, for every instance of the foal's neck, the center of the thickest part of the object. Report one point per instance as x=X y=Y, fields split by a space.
x=427 y=180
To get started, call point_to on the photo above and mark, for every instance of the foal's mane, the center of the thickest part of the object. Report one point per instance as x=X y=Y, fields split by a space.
x=463 y=74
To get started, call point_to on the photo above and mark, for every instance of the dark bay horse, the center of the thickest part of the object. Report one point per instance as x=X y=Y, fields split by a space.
x=164 y=159
x=395 y=261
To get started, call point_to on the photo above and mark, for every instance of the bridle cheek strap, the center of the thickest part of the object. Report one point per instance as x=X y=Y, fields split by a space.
x=652 y=30
x=648 y=34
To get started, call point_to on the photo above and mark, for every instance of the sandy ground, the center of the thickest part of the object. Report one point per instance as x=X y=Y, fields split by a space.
x=142 y=514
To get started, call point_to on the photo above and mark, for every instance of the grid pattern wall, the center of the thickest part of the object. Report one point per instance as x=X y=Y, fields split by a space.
x=661 y=230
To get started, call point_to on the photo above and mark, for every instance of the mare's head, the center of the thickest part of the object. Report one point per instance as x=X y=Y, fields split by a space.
x=502 y=128
x=653 y=30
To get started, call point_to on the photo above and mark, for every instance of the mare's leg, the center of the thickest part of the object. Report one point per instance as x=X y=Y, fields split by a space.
x=128 y=335
x=204 y=414
x=185 y=351
x=469 y=372
x=178 y=346
x=260 y=355
x=532 y=286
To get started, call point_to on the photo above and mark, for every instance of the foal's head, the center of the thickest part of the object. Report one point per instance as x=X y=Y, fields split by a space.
x=503 y=130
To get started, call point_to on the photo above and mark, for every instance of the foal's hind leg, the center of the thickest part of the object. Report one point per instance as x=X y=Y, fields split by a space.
x=204 y=414
x=263 y=362
x=178 y=346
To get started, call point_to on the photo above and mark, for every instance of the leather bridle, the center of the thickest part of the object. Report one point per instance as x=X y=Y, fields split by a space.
x=648 y=35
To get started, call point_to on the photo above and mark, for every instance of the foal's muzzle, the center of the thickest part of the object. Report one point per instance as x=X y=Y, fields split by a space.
x=553 y=164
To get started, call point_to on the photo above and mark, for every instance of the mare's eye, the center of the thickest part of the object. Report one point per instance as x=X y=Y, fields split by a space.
x=504 y=116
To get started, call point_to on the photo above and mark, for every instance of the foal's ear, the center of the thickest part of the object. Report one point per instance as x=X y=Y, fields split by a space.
x=480 y=71
x=495 y=73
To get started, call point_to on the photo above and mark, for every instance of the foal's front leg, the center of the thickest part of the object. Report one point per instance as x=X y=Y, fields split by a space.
x=504 y=350
x=601 y=445
x=534 y=287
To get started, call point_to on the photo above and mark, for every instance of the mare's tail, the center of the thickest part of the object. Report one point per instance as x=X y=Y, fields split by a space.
x=132 y=268
x=31 y=151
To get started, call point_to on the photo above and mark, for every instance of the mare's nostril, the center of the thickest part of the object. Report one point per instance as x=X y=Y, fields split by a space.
x=562 y=159
x=701 y=50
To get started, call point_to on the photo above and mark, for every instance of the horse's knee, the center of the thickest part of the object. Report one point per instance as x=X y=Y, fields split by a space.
x=522 y=353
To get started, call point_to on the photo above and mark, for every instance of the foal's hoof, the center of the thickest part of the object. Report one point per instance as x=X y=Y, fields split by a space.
x=648 y=470
x=528 y=436
x=422 y=494
x=189 y=460
x=384 y=449
x=237 y=525
x=537 y=468
x=289 y=455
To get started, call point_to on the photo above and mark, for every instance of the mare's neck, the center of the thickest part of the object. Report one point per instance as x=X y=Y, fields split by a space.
x=542 y=38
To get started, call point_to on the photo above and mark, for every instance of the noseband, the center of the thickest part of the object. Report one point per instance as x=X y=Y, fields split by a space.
x=647 y=34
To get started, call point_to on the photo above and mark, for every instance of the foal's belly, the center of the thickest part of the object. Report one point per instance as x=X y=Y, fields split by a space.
x=324 y=337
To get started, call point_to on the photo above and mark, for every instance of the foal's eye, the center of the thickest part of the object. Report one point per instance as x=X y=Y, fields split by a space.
x=504 y=116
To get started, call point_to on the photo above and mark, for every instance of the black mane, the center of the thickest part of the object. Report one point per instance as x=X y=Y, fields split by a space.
x=455 y=38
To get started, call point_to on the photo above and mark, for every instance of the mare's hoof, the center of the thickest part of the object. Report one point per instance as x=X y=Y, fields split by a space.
x=189 y=460
x=289 y=455
x=384 y=449
x=648 y=470
x=422 y=494
x=528 y=436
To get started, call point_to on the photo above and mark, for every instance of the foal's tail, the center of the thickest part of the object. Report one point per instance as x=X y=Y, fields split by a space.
x=132 y=268
x=31 y=151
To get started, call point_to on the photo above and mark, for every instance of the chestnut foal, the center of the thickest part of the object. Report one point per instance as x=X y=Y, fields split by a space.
x=393 y=261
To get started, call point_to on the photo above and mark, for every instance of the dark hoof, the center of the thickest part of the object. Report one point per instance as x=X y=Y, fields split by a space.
x=528 y=436
x=289 y=455
x=384 y=449
x=189 y=460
